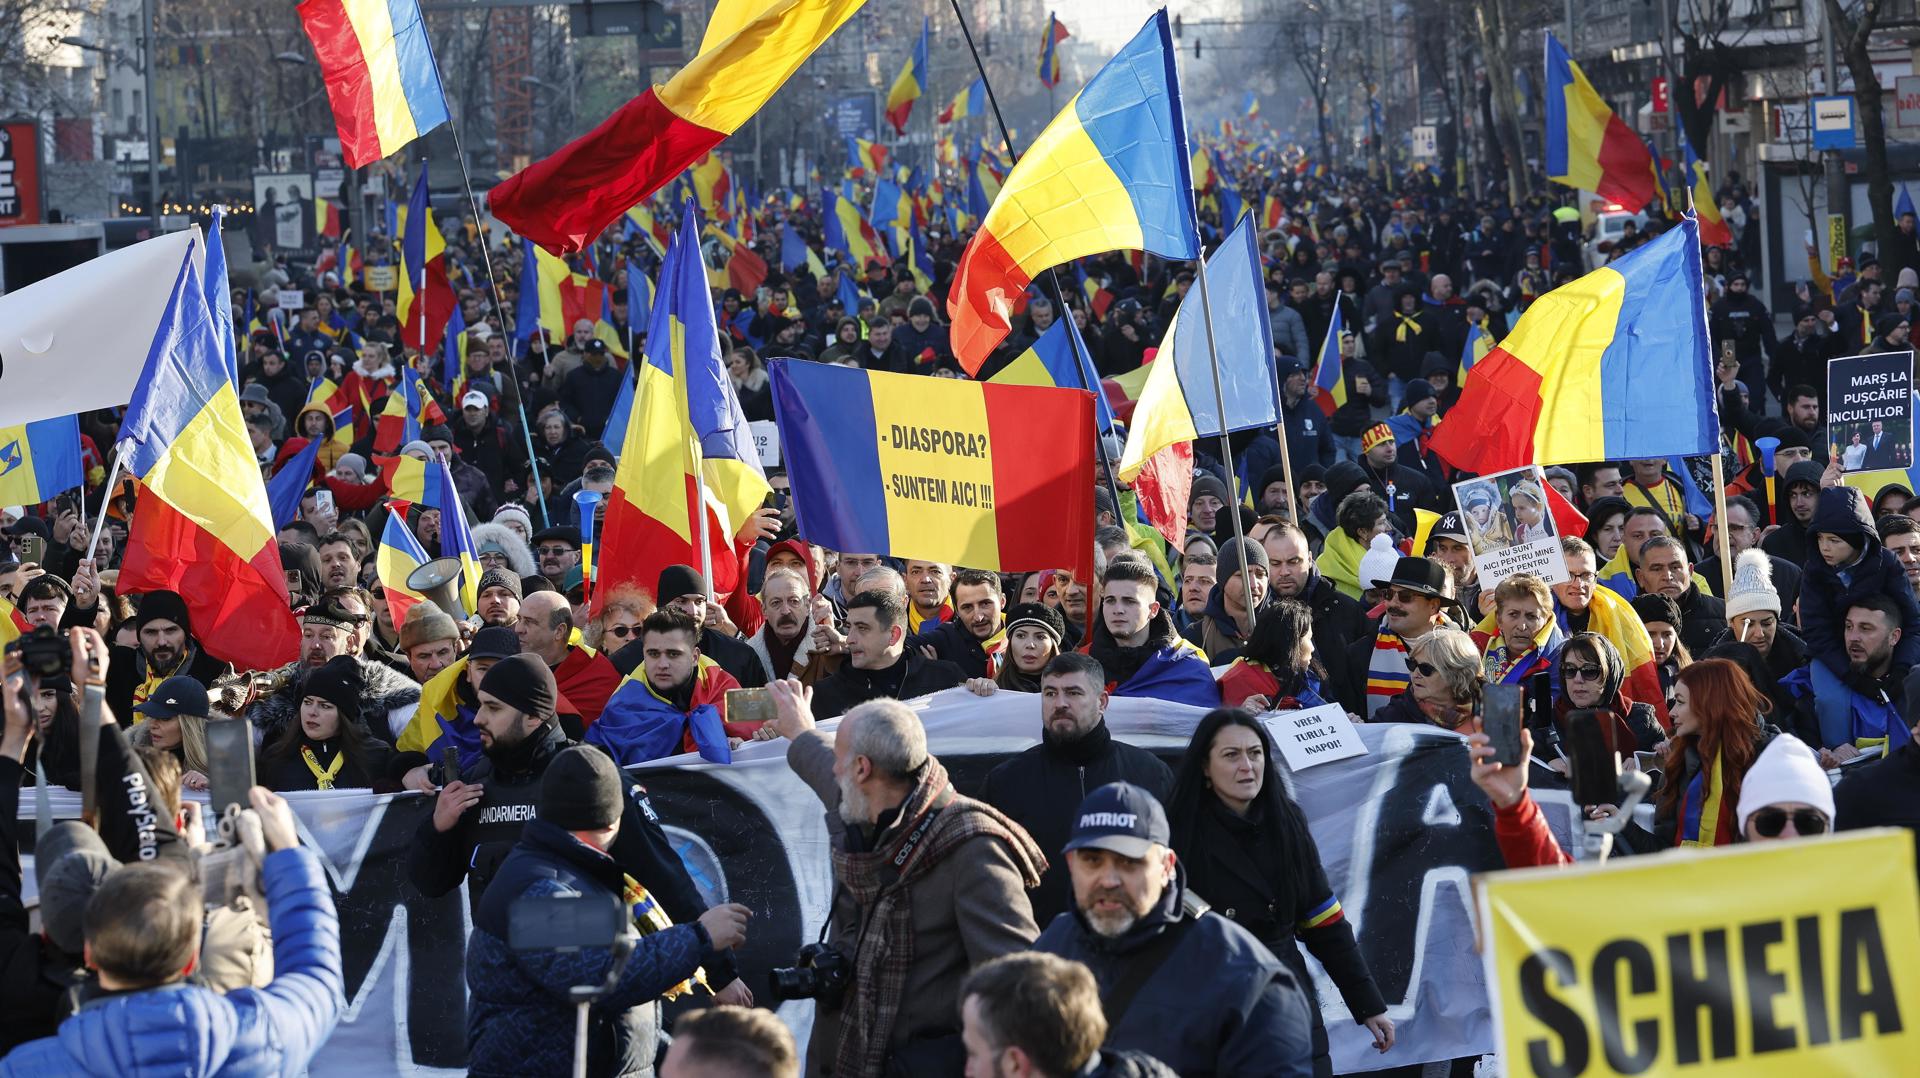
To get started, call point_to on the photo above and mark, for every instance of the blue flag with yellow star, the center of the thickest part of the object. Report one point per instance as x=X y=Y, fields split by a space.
x=39 y=460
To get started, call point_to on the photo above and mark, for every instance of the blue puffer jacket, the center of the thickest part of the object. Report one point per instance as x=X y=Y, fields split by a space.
x=519 y=1021
x=1826 y=592
x=1219 y=1004
x=188 y=1030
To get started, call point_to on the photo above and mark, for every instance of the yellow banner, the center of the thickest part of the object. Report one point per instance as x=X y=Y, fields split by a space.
x=1774 y=959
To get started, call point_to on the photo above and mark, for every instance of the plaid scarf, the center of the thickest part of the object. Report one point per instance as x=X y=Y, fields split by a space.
x=933 y=822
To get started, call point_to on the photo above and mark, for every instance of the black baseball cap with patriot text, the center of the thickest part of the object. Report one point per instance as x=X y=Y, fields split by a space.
x=1121 y=818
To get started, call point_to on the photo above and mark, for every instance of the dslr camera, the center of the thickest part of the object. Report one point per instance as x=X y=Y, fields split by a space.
x=818 y=972
x=46 y=654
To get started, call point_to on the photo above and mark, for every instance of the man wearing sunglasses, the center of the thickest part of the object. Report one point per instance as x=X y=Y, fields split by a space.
x=1418 y=596
x=1785 y=795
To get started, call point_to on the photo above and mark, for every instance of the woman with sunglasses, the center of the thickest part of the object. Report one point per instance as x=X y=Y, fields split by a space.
x=1445 y=682
x=1247 y=851
x=616 y=621
x=1589 y=676
x=1783 y=795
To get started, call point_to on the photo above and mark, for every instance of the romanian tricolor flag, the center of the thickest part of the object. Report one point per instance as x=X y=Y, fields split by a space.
x=1713 y=231
x=410 y=479
x=650 y=522
x=1250 y=105
x=424 y=249
x=201 y=525
x=379 y=73
x=971 y=101
x=565 y=201
x=39 y=460
x=1179 y=403
x=399 y=555
x=1050 y=40
x=911 y=83
x=1059 y=359
x=12 y=625
x=456 y=540
x=641 y=222
x=713 y=186
x=865 y=158
x=853 y=235
x=1479 y=343
x=1205 y=176
x=968 y=473
x=1109 y=173
x=1614 y=366
x=892 y=213
x=1271 y=211
x=326 y=218
x=1330 y=375
x=1589 y=147
x=328 y=394
x=290 y=484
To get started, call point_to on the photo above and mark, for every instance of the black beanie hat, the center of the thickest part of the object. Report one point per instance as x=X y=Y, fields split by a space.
x=338 y=683
x=1652 y=607
x=678 y=580
x=580 y=790
x=1237 y=554
x=162 y=606
x=524 y=683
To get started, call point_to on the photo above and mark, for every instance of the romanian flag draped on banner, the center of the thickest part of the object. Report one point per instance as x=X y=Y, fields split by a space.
x=971 y=101
x=1109 y=173
x=1050 y=40
x=650 y=522
x=1614 y=366
x=201 y=524
x=379 y=72
x=1330 y=374
x=1713 y=231
x=410 y=479
x=426 y=297
x=39 y=460
x=456 y=540
x=290 y=483
x=911 y=83
x=981 y=474
x=1059 y=359
x=566 y=200
x=1589 y=147
x=399 y=555
x=1178 y=403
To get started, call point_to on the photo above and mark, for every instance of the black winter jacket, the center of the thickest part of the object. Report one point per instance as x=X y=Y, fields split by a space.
x=912 y=675
x=1219 y=1003
x=1041 y=787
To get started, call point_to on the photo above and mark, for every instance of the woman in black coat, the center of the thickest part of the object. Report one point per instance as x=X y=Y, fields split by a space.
x=1248 y=853
x=329 y=748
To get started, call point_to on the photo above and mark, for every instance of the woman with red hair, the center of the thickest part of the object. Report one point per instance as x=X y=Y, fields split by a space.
x=1717 y=734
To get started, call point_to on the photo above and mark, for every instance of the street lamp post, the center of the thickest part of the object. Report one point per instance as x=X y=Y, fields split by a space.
x=153 y=124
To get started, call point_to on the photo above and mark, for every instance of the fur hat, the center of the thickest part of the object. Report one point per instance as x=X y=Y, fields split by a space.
x=426 y=623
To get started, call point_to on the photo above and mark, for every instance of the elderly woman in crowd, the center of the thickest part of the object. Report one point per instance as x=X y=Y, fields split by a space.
x=1446 y=682
x=1529 y=639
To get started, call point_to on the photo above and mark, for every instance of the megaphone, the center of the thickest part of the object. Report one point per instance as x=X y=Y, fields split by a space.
x=439 y=581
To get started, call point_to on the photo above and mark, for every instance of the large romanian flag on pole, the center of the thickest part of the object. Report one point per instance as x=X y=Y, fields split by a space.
x=565 y=201
x=911 y=83
x=426 y=295
x=1614 y=366
x=1587 y=145
x=1110 y=173
x=968 y=473
x=651 y=521
x=379 y=73
x=201 y=524
x=1050 y=40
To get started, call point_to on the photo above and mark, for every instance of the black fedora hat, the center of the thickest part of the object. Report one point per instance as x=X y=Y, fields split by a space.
x=1424 y=576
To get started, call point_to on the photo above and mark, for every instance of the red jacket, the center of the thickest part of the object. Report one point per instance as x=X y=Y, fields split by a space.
x=1525 y=839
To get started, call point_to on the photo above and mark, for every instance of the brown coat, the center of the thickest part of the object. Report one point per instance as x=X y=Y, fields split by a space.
x=970 y=908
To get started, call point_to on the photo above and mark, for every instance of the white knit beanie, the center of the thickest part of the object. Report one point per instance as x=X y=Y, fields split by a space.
x=1752 y=585
x=1376 y=565
x=1785 y=771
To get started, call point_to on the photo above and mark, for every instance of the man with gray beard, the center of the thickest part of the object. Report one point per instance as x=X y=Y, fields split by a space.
x=927 y=885
x=1177 y=981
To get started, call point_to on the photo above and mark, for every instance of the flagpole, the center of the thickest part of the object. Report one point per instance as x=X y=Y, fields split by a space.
x=499 y=302
x=1053 y=275
x=106 y=501
x=1226 y=444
